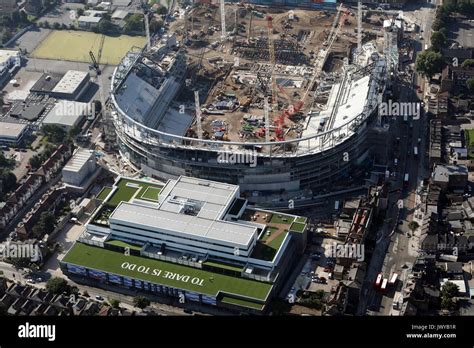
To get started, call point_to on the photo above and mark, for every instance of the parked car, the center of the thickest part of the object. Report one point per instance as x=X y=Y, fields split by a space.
x=99 y=298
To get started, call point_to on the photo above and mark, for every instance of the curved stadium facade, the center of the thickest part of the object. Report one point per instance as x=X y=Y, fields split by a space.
x=152 y=136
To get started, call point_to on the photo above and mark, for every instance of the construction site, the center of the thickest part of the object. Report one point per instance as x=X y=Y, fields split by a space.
x=268 y=56
x=296 y=88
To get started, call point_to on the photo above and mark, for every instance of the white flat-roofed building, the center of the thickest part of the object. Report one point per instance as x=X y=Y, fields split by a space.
x=80 y=167
x=90 y=19
x=120 y=14
x=72 y=85
x=9 y=60
x=181 y=231
x=12 y=133
x=189 y=216
x=67 y=114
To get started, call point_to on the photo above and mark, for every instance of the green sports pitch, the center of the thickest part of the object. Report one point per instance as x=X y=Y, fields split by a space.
x=71 y=45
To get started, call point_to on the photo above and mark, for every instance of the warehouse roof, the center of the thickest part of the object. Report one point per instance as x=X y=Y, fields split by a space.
x=46 y=83
x=120 y=14
x=71 y=81
x=89 y=19
x=66 y=113
x=78 y=160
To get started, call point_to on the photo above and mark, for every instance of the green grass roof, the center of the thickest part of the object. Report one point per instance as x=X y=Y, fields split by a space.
x=104 y=193
x=278 y=218
x=240 y=302
x=297 y=227
x=213 y=283
x=124 y=192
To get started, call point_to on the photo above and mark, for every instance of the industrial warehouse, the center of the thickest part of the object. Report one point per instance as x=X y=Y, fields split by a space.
x=302 y=102
x=191 y=237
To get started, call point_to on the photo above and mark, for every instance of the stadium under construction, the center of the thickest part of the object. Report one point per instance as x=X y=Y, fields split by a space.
x=258 y=97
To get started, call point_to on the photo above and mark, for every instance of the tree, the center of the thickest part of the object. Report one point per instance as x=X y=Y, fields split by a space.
x=74 y=131
x=55 y=133
x=115 y=303
x=9 y=181
x=35 y=161
x=162 y=10
x=56 y=25
x=447 y=303
x=468 y=63
x=413 y=225
x=141 y=302
x=438 y=40
x=449 y=290
x=134 y=23
x=470 y=84
x=6 y=36
x=45 y=224
x=80 y=12
x=429 y=63
x=57 y=285
x=105 y=26
x=155 y=25
x=6 y=162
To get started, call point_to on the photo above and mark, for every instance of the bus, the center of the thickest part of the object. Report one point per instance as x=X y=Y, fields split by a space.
x=405 y=180
x=383 y=288
x=415 y=151
x=378 y=281
x=393 y=279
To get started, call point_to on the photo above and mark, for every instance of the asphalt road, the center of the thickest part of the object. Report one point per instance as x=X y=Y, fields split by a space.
x=392 y=250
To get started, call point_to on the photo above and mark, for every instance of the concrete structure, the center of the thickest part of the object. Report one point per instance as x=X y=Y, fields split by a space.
x=450 y=176
x=80 y=169
x=12 y=133
x=90 y=19
x=120 y=14
x=195 y=225
x=153 y=137
x=67 y=114
x=321 y=4
x=72 y=85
